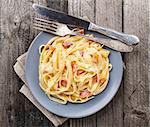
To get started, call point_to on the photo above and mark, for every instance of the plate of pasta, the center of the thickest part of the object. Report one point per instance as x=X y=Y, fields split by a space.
x=72 y=76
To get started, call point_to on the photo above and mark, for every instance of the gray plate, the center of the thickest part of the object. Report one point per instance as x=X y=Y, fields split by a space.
x=70 y=110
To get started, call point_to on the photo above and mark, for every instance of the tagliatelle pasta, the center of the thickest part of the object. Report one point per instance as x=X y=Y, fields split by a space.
x=73 y=69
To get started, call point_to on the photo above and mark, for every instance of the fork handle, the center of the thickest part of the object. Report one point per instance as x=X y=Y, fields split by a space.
x=126 y=38
x=114 y=44
x=111 y=43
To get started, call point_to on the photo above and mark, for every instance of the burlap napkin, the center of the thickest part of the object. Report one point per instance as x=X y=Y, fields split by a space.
x=19 y=69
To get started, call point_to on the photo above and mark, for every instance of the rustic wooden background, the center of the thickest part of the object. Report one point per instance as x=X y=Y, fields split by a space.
x=129 y=108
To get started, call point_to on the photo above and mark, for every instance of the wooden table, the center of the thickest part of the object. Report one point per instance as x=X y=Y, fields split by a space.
x=129 y=108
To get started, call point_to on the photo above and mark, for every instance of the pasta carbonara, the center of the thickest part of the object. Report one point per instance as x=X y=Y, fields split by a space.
x=73 y=69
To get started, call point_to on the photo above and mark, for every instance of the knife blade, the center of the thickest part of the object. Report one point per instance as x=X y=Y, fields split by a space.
x=60 y=16
x=68 y=19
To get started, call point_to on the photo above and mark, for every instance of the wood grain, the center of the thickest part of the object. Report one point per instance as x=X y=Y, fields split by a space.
x=109 y=14
x=12 y=104
x=16 y=35
x=129 y=108
x=82 y=9
x=106 y=13
x=136 y=89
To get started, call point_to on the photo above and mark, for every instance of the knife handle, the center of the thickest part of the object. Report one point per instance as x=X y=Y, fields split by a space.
x=126 y=38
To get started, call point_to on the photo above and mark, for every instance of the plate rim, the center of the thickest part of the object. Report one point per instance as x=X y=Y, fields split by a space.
x=64 y=115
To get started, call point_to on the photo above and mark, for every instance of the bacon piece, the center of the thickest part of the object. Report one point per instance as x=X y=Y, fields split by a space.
x=85 y=93
x=49 y=47
x=102 y=80
x=81 y=31
x=80 y=71
x=64 y=83
x=81 y=53
x=95 y=58
x=90 y=41
x=44 y=72
x=62 y=94
x=74 y=66
x=67 y=44
x=94 y=79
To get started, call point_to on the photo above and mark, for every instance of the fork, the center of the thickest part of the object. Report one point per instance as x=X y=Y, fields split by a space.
x=62 y=30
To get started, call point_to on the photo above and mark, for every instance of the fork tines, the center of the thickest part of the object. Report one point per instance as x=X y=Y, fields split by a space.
x=45 y=25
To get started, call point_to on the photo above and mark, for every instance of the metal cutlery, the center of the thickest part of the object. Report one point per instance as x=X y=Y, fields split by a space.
x=62 y=30
x=67 y=19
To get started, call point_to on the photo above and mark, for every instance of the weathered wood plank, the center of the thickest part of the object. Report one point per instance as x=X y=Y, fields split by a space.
x=11 y=103
x=109 y=14
x=24 y=15
x=149 y=65
x=16 y=34
x=61 y=5
x=33 y=117
x=136 y=89
x=83 y=8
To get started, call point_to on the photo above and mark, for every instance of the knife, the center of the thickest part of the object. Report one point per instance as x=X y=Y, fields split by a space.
x=68 y=19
